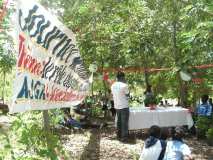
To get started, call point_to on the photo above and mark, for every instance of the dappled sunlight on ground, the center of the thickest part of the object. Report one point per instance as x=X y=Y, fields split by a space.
x=102 y=144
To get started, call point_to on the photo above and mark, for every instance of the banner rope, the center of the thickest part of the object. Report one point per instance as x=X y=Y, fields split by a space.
x=138 y=69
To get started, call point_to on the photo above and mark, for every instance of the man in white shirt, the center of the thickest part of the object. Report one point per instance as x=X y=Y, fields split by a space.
x=120 y=94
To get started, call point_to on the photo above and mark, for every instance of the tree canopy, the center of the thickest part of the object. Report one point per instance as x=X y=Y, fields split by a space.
x=147 y=34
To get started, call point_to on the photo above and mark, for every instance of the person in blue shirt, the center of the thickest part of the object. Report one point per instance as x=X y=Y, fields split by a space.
x=204 y=109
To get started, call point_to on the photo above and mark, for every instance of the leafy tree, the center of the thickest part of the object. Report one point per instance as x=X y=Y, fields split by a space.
x=154 y=33
x=7 y=59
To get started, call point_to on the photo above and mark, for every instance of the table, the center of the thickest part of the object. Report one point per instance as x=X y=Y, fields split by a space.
x=143 y=117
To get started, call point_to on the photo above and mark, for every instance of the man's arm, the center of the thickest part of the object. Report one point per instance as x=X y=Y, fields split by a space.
x=209 y=110
x=127 y=93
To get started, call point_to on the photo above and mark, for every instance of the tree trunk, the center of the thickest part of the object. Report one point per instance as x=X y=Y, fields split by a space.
x=183 y=93
x=194 y=98
x=47 y=131
x=146 y=76
x=145 y=66
x=3 y=90
x=92 y=83
x=182 y=88
x=104 y=83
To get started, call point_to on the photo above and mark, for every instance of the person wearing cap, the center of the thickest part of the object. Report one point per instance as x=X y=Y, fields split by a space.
x=176 y=149
x=120 y=94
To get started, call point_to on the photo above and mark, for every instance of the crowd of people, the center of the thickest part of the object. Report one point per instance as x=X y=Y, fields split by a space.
x=159 y=146
x=154 y=148
x=171 y=146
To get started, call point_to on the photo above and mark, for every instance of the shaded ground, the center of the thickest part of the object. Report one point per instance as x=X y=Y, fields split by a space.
x=101 y=144
x=200 y=150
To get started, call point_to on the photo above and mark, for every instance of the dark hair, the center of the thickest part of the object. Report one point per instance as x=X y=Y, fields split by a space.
x=164 y=133
x=204 y=98
x=155 y=131
x=120 y=76
x=177 y=133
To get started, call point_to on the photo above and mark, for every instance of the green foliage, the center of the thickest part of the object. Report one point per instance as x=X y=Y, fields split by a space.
x=131 y=33
x=141 y=34
x=56 y=116
x=203 y=124
x=7 y=58
x=150 y=100
x=146 y=34
x=26 y=139
x=96 y=111
x=5 y=148
x=209 y=133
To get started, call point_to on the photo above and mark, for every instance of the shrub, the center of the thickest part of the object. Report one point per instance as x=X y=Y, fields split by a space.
x=202 y=125
x=150 y=100
x=26 y=139
x=209 y=133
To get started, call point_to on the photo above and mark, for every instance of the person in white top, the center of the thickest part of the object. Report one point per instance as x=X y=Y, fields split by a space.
x=176 y=149
x=120 y=94
x=153 y=148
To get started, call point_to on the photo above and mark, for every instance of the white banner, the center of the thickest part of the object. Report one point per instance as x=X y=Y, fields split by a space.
x=50 y=73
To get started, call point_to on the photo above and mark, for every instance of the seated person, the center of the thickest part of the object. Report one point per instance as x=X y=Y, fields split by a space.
x=161 y=104
x=68 y=121
x=176 y=149
x=82 y=109
x=167 y=103
x=205 y=108
x=104 y=104
x=153 y=148
x=71 y=120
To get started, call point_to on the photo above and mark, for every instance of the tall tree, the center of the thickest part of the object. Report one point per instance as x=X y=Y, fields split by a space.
x=7 y=59
x=148 y=33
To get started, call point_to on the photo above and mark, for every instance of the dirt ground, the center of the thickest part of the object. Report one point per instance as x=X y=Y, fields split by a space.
x=101 y=144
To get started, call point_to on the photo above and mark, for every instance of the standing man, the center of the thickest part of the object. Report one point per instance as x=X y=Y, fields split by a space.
x=205 y=109
x=120 y=94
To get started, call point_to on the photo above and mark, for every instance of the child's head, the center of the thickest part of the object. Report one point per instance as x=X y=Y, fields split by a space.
x=155 y=131
x=177 y=133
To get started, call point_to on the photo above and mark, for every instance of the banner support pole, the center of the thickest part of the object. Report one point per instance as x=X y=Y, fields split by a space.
x=46 y=126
